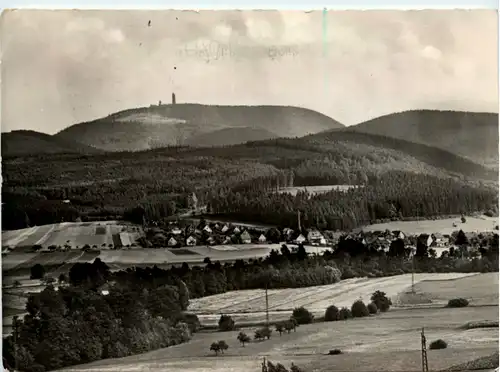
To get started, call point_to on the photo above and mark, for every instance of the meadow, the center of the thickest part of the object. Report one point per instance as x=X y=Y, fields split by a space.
x=249 y=306
x=74 y=234
x=443 y=226
x=384 y=342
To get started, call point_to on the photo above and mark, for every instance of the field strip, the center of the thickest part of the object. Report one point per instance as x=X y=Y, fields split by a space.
x=45 y=236
x=14 y=241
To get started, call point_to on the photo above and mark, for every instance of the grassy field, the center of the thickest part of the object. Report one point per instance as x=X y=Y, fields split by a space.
x=386 y=342
x=19 y=263
x=444 y=226
x=248 y=307
x=75 y=234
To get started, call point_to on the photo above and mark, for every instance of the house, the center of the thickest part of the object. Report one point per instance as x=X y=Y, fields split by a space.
x=211 y=240
x=245 y=237
x=191 y=241
x=399 y=235
x=227 y=240
x=300 y=239
x=104 y=289
x=262 y=238
x=176 y=231
x=207 y=229
x=439 y=239
x=287 y=233
x=236 y=230
x=425 y=239
x=225 y=228
x=172 y=242
x=314 y=237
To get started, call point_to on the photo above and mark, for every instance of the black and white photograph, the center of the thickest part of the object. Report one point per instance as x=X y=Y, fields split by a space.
x=250 y=190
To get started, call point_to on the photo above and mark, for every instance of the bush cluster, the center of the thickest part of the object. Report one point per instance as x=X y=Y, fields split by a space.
x=458 y=302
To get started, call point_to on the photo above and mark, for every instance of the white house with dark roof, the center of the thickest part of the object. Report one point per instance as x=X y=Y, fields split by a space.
x=262 y=238
x=314 y=237
x=245 y=237
x=225 y=228
x=207 y=229
x=191 y=241
x=300 y=239
x=172 y=242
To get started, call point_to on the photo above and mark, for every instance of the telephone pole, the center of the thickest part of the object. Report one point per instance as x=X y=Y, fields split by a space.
x=425 y=365
x=267 y=308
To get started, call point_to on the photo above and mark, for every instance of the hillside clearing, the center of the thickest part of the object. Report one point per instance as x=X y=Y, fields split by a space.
x=74 y=234
x=444 y=226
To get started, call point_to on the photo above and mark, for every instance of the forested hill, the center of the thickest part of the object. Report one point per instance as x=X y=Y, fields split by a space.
x=28 y=142
x=473 y=135
x=398 y=180
x=195 y=124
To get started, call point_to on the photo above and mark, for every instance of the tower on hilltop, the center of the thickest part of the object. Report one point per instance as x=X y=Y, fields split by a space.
x=173 y=99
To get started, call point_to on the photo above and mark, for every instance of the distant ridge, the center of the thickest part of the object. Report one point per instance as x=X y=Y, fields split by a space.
x=473 y=135
x=196 y=124
x=29 y=142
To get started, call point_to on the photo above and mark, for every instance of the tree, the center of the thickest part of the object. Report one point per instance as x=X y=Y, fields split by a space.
x=215 y=347
x=380 y=299
x=332 y=313
x=359 y=309
x=302 y=315
x=280 y=328
x=222 y=346
x=226 y=323
x=461 y=239
x=37 y=272
x=243 y=338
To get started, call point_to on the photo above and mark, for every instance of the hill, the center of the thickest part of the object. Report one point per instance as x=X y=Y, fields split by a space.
x=28 y=142
x=473 y=135
x=399 y=179
x=180 y=124
x=230 y=136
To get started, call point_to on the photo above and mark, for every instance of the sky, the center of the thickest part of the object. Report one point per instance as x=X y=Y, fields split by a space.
x=63 y=67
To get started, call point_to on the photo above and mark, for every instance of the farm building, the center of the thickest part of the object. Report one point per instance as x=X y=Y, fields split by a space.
x=236 y=230
x=211 y=240
x=207 y=229
x=262 y=238
x=300 y=239
x=191 y=241
x=245 y=237
x=439 y=239
x=227 y=240
x=172 y=242
x=314 y=237
x=225 y=228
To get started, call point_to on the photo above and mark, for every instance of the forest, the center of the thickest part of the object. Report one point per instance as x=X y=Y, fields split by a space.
x=234 y=180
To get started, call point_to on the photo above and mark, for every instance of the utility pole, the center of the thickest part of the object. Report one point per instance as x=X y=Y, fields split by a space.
x=425 y=365
x=413 y=274
x=267 y=307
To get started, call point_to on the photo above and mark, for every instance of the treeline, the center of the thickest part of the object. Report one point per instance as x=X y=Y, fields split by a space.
x=78 y=324
x=394 y=195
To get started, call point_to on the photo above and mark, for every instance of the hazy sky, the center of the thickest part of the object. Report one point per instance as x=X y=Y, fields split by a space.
x=64 y=67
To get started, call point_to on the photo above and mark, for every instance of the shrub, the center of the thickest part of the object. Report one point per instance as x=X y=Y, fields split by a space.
x=263 y=333
x=438 y=344
x=359 y=309
x=458 y=302
x=345 y=313
x=335 y=352
x=302 y=315
x=381 y=300
x=331 y=313
x=372 y=308
x=280 y=327
x=226 y=323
